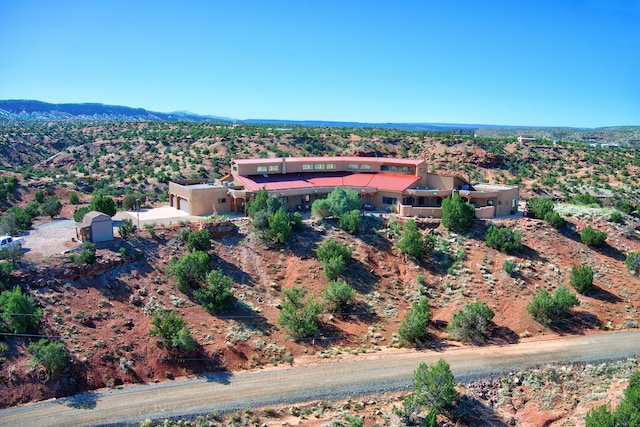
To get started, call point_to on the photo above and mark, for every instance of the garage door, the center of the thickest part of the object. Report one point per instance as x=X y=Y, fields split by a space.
x=183 y=205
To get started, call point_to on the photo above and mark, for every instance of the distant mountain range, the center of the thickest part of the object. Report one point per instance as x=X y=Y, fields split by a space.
x=38 y=110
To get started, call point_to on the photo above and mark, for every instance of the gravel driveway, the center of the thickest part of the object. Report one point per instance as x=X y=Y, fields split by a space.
x=50 y=238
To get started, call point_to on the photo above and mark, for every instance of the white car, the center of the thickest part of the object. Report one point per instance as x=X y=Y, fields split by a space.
x=10 y=243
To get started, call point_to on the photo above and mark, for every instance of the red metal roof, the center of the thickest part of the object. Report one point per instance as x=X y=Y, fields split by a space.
x=278 y=182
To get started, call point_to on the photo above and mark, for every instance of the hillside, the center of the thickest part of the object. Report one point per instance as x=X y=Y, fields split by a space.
x=103 y=314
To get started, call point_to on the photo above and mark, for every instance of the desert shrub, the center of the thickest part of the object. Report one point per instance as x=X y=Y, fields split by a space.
x=172 y=331
x=616 y=217
x=199 y=241
x=87 y=254
x=581 y=279
x=189 y=270
x=585 y=199
x=15 y=221
x=472 y=323
x=539 y=207
x=350 y=221
x=626 y=414
x=633 y=262
x=73 y=198
x=32 y=209
x=39 y=196
x=331 y=249
x=504 y=239
x=260 y=220
x=19 y=311
x=6 y=268
x=547 y=308
x=591 y=237
x=624 y=205
x=78 y=214
x=554 y=219
x=411 y=242
x=279 y=226
x=299 y=314
x=126 y=229
x=340 y=295
x=218 y=296
x=509 y=266
x=104 y=204
x=296 y=221
x=129 y=201
x=51 y=207
x=414 y=328
x=600 y=417
x=321 y=208
x=342 y=200
x=457 y=214
x=333 y=268
x=52 y=355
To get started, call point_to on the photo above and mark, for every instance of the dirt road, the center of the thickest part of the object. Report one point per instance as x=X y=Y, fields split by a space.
x=389 y=370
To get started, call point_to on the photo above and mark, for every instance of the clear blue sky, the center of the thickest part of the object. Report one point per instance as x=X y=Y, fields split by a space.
x=510 y=62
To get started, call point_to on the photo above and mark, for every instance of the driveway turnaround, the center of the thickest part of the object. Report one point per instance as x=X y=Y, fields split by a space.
x=392 y=370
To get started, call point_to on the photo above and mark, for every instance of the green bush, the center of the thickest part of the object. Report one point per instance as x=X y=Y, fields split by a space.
x=342 y=200
x=625 y=205
x=333 y=268
x=350 y=221
x=504 y=239
x=39 y=196
x=172 y=331
x=78 y=214
x=414 y=328
x=299 y=314
x=189 y=270
x=554 y=219
x=616 y=217
x=104 y=204
x=296 y=221
x=126 y=229
x=73 y=198
x=340 y=295
x=539 y=207
x=509 y=266
x=434 y=386
x=6 y=268
x=129 y=201
x=321 y=209
x=581 y=279
x=411 y=242
x=547 y=308
x=218 y=296
x=633 y=262
x=457 y=215
x=32 y=209
x=52 y=355
x=19 y=311
x=585 y=199
x=626 y=414
x=592 y=237
x=472 y=323
x=331 y=249
x=51 y=207
x=279 y=226
x=87 y=254
x=199 y=241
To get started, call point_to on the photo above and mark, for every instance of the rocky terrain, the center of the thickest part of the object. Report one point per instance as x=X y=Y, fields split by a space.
x=103 y=312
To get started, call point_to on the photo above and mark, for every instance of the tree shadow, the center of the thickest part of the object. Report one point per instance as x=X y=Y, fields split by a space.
x=531 y=254
x=86 y=401
x=470 y=411
x=251 y=319
x=607 y=250
x=576 y=324
x=501 y=334
x=360 y=312
x=237 y=274
x=361 y=276
x=221 y=377
x=303 y=243
x=603 y=295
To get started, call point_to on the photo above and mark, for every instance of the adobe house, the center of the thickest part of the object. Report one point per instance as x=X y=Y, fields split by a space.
x=401 y=186
x=95 y=227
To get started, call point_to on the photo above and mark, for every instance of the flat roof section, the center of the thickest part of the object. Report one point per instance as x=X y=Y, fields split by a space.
x=272 y=160
x=278 y=182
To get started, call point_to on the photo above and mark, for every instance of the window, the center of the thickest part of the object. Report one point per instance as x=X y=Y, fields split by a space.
x=274 y=168
x=319 y=166
x=262 y=169
x=284 y=200
x=235 y=168
x=352 y=166
x=397 y=169
x=223 y=200
x=365 y=167
x=389 y=201
x=423 y=170
x=331 y=166
x=307 y=167
x=407 y=201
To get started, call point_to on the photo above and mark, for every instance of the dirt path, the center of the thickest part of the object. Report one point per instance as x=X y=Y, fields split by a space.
x=389 y=370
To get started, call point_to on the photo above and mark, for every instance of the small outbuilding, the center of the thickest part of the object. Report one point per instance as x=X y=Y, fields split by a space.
x=95 y=227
